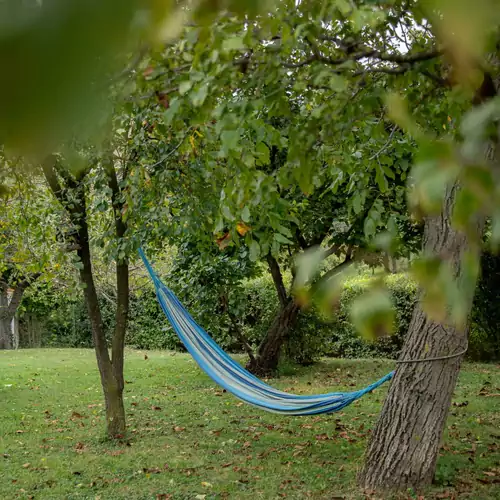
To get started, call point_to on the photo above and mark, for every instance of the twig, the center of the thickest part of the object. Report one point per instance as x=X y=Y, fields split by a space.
x=171 y=152
x=384 y=147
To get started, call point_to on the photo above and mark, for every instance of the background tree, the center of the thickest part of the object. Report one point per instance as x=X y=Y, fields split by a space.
x=28 y=247
x=243 y=132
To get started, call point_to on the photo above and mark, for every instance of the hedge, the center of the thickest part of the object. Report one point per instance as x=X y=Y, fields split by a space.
x=66 y=322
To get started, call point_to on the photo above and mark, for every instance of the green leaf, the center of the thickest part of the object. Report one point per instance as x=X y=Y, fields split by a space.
x=233 y=43
x=284 y=230
x=245 y=214
x=282 y=239
x=370 y=227
x=254 y=251
x=185 y=87
x=381 y=179
x=307 y=265
x=198 y=97
x=263 y=154
x=219 y=226
x=230 y=140
x=226 y=211
x=373 y=314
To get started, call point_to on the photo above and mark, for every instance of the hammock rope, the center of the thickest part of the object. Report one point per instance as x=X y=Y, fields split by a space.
x=230 y=375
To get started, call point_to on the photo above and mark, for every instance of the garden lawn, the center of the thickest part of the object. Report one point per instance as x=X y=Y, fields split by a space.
x=189 y=440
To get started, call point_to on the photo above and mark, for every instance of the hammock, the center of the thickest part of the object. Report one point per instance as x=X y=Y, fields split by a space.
x=230 y=375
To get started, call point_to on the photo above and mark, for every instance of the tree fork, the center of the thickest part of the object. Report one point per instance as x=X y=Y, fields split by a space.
x=111 y=373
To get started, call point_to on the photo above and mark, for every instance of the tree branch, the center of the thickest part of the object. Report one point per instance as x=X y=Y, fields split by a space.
x=239 y=335
x=300 y=239
x=337 y=269
x=406 y=61
x=275 y=270
x=48 y=168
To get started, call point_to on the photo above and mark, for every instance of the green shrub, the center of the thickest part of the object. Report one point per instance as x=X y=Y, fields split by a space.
x=345 y=341
x=255 y=304
x=148 y=328
x=484 y=339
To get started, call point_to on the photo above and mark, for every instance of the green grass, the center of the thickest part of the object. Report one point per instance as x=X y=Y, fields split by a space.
x=187 y=439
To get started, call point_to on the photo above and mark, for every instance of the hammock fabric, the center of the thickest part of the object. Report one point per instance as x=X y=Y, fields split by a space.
x=230 y=375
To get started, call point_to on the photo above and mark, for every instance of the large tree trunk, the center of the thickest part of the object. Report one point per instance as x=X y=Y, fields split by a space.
x=404 y=446
x=268 y=354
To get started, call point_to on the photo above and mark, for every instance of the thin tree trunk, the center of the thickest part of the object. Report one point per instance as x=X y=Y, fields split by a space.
x=111 y=381
x=122 y=283
x=15 y=332
x=404 y=446
x=268 y=353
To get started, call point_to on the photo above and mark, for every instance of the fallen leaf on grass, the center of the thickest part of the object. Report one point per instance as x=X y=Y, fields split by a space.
x=153 y=470
x=445 y=494
x=179 y=429
x=115 y=453
x=26 y=465
x=80 y=447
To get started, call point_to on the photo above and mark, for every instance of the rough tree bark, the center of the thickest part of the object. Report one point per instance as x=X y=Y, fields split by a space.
x=72 y=198
x=268 y=354
x=5 y=320
x=404 y=446
x=8 y=309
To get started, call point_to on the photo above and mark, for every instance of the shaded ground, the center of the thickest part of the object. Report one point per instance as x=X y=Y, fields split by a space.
x=189 y=440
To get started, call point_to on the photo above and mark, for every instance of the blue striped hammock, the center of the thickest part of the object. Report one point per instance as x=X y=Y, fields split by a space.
x=230 y=375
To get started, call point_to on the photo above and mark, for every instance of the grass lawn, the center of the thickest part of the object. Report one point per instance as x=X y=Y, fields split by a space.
x=188 y=440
